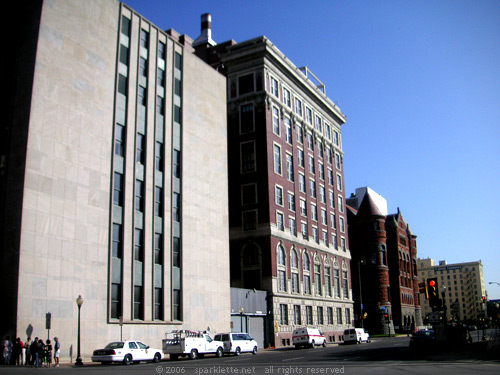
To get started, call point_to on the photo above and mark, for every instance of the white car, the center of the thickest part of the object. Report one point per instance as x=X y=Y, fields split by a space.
x=358 y=335
x=308 y=337
x=127 y=352
x=237 y=343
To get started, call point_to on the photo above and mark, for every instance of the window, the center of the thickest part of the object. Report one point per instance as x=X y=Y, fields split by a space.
x=247 y=151
x=176 y=207
x=322 y=194
x=309 y=315
x=325 y=237
x=280 y=221
x=324 y=219
x=139 y=195
x=308 y=115
x=158 y=201
x=327 y=131
x=320 y=315
x=341 y=224
x=343 y=244
x=159 y=156
x=289 y=167
x=139 y=245
x=300 y=135
x=333 y=221
x=300 y=157
x=295 y=282
x=277 y=159
x=336 y=279
x=298 y=107
x=330 y=177
x=249 y=220
x=321 y=171
x=303 y=230
x=245 y=84
x=320 y=149
x=314 y=212
x=329 y=155
x=176 y=252
x=328 y=281
x=119 y=140
x=140 y=148
x=303 y=207
x=291 y=201
x=162 y=51
x=311 y=164
x=288 y=130
x=310 y=141
x=246 y=118
x=312 y=188
x=283 y=314
x=116 y=298
x=348 y=316
x=158 y=248
x=118 y=189
x=302 y=183
x=317 y=279
x=336 y=138
x=274 y=87
x=339 y=182
x=315 y=234
x=345 y=284
x=293 y=226
x=125 y=26
x=143 y=67
x=339 y=315
x=141 y=96
x=307 y=284
x=286 y=97
x=144 y=38
x=278 y=192
x=294 y=260
x=282 y=281
x=337 y=161
x=176 y=167
x=319 y=124
x=296 y=315
x=334 y=240
x=306 y=264
x=158 y=303
x=276 y=121
x=117 y=251
x=329 y=315
x=122 y=85
x=160 y=105
x=281 y=256
x=341 y=203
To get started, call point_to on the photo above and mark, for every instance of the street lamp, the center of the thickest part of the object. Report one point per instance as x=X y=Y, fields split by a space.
x=443 y=293
x=494 y=282
x=79 y=303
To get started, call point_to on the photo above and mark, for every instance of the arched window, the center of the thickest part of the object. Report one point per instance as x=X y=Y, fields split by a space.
x=383 y=259
x=294 y=260
x=281 y=256
x=306 y=266
x=294 y=264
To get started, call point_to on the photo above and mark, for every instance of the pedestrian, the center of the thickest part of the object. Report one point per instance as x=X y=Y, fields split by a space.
x=57 y=351
x=18 y=352
x=49 y=353
x=7 y=350
x=42 y=352
x=35 y=360
x=27 y=346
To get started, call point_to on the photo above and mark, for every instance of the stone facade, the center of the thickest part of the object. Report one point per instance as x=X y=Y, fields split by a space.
x=69 y=204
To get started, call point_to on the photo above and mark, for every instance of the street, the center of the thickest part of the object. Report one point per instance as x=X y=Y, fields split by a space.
x=381 y=356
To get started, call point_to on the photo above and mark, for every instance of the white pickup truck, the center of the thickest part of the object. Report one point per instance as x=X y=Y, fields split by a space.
x=181 y=343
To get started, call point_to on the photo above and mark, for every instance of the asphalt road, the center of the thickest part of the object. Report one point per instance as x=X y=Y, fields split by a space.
x=382 y=356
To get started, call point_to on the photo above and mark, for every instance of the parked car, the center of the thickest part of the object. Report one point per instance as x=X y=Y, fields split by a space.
x=422 y=339
x=358 y=335
x=308 y=337
x=237 y=343
x=126 y=352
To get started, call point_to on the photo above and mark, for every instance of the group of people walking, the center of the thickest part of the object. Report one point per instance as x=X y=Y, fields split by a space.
x=35 y=353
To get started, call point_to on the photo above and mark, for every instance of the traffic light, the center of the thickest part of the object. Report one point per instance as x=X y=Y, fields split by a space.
x=432 y=292
x=386 y=316
x=422 y=288
x=484 y=299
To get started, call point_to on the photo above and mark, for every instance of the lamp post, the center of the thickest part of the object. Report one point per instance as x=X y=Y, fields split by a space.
x=443 y=293
x=494 y=282
x=242 y=310
x=79 y=303
x=360 y=293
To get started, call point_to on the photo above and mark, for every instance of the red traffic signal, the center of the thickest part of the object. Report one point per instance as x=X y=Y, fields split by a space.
x=484 y=299
x=432 y=283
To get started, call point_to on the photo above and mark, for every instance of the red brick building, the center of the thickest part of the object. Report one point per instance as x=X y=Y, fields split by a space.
x=384 y=271
x=287 y=214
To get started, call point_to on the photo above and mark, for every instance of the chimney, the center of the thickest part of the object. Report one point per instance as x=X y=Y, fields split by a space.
x=206 y=31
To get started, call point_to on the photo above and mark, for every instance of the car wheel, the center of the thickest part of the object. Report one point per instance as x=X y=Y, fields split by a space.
x=156 y=358
x=359 y=341
x=127 y=360
x=324 y=344
x=219 y=353
x=254 y=351
x=237 y=351
x=313 y=344
x=193 y=354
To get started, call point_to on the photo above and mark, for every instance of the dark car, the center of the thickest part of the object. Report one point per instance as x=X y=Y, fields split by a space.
x=422 y=339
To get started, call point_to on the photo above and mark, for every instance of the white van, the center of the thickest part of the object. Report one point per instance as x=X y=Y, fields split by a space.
x=358 y=335
x=237 y=343
x=309 y=337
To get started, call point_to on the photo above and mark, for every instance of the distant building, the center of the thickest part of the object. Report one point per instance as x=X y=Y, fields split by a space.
x=288 y=225
x=464 y=284
x=113 y=178
x=384 y=271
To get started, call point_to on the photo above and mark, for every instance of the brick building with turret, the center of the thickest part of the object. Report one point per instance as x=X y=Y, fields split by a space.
x=384 y=268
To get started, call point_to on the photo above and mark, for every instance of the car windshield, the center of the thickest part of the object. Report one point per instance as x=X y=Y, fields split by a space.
x=424 y=333
x=115 y=345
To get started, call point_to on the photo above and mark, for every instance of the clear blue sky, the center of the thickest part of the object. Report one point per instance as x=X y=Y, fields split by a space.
x=419 y=82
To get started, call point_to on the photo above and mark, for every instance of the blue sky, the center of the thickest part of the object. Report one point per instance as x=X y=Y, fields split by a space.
x=419 y=82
